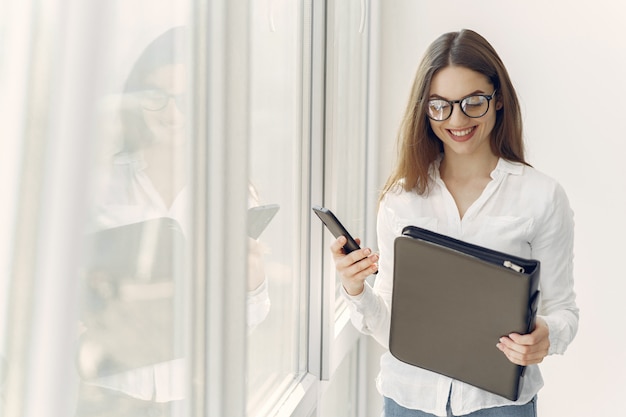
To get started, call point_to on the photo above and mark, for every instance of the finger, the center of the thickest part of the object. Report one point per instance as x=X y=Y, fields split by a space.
x=508 y=345
x=363 y=267
x=509 y=354
x=520 y=359
x=523 y=339
x=256 y=247
x=522 y=354
x=352 y=264
x=354 y=256
x=353 y=276
x=337 y=246
x=539 y=336
x=518 y=343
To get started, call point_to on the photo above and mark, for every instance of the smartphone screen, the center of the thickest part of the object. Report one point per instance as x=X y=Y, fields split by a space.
x=259 y=217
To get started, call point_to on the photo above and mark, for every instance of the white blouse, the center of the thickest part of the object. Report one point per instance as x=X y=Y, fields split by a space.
x=521 y=211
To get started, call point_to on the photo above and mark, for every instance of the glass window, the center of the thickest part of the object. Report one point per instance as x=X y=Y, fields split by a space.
x=98 y=273
x=136 y=160
x=278 y=178
x=130 y=353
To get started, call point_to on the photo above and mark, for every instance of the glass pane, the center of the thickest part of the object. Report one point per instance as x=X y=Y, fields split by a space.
x=130 y=352
x=276 y=307
x=346 y=141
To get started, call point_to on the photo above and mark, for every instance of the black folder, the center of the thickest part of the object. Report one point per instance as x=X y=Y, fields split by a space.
x=451 y=303
x=129 y=282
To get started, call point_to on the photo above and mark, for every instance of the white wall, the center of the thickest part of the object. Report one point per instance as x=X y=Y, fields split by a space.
x=568 y=63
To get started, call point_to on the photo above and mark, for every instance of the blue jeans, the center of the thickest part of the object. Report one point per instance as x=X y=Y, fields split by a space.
x=392 y=409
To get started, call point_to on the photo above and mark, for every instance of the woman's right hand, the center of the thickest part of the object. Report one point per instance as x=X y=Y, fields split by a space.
x=354 y=267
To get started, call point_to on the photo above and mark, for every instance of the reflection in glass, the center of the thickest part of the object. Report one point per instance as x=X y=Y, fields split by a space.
x=129 y=358
x=276 y=350
x=131 y=350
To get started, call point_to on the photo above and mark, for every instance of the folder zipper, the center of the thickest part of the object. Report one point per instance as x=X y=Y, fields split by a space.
x=513 y=266
x=486 y=255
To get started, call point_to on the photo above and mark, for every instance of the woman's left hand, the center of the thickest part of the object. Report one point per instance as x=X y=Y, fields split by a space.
x=527 y=349
x=256 y=264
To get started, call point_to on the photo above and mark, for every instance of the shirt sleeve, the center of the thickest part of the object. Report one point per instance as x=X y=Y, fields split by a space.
x=258 y=305
x=553 y=245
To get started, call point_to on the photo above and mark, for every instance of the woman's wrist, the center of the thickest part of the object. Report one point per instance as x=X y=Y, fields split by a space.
x=354 y=290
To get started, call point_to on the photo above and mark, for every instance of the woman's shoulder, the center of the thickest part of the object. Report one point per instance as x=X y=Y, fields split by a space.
x=398 y=201
x=533 y=184
x=396 y=192
x=528 y=174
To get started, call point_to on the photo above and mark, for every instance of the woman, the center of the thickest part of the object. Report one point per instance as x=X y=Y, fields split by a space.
x=461 y=171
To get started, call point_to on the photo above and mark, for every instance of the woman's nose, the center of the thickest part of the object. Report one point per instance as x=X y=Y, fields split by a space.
x=457 y=117
x=173 y=108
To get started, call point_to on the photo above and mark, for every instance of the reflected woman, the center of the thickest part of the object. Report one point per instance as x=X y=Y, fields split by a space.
x=130 y=358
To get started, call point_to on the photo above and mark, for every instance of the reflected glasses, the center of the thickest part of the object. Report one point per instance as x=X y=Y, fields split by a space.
x=473 y=106
x=155 y=100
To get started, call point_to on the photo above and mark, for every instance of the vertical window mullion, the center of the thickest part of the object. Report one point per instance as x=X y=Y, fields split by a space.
x=223 y=174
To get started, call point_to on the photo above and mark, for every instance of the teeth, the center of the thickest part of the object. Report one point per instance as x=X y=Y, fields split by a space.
x=462 y=132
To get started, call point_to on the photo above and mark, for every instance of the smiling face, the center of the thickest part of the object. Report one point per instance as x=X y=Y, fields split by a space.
x=461 y=134
x=167 y=123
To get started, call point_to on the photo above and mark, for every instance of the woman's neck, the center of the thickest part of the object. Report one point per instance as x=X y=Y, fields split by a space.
x=466 y=177
x=467 y=167
x=164 y=168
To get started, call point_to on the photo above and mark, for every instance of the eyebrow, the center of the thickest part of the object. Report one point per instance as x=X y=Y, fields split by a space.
x=435 y=96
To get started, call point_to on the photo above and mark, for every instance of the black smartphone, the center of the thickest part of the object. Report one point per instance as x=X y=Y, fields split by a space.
x=336 y=228
x=259 y=217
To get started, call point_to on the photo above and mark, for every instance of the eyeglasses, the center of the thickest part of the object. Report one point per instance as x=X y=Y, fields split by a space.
x=473 y=106
x=155 y=100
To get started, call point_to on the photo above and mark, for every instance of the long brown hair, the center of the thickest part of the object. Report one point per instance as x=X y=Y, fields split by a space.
x=169 y=48
x=418 y=146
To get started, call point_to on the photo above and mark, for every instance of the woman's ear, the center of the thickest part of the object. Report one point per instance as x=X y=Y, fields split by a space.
x=498 y=100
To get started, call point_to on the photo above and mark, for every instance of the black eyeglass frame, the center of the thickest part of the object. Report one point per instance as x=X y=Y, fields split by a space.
x=179 y=99
x=489 y=97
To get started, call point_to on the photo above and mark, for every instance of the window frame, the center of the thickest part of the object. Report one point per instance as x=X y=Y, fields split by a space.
x=218 y=349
